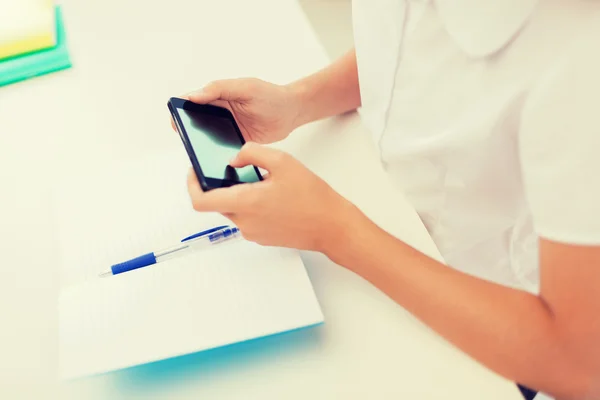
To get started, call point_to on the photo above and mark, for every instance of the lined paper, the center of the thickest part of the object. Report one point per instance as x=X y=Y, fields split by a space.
x=206 y=299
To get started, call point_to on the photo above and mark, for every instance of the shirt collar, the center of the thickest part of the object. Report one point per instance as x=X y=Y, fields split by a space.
x=483 y=27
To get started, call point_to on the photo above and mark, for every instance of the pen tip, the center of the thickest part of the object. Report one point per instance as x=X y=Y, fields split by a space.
x=105 y=273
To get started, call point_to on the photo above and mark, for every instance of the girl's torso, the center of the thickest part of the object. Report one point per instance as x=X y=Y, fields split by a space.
x=443 y=84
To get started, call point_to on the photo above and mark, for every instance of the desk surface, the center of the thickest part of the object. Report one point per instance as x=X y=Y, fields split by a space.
x=129 y=58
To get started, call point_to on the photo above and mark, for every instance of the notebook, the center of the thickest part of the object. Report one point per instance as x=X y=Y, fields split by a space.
x=26 y=26
x=206 y=299
x=38 y=63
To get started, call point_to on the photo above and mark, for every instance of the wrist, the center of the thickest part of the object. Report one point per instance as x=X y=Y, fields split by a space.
x=301 y=94
x=346 y=225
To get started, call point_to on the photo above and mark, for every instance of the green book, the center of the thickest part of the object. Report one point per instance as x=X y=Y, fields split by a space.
x=38 y=63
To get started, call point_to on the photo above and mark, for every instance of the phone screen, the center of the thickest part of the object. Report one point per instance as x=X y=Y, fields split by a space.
x=215 y=142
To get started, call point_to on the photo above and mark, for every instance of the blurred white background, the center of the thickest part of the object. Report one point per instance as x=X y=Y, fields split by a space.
x=332 y=22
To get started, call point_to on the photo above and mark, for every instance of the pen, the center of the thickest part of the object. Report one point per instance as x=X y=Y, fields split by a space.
x=204 y=239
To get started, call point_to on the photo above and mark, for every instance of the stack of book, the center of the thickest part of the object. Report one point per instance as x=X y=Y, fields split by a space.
x=32 y=40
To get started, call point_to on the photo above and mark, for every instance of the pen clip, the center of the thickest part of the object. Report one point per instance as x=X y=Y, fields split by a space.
x=204 y=233
x=223 y=234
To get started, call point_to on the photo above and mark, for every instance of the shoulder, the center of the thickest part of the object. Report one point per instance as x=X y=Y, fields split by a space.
x=568 y=92
x=559 y=141
x=582 y=57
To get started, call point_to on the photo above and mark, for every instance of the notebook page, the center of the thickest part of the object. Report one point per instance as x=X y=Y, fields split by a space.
x=208 y=298
x=121 y=211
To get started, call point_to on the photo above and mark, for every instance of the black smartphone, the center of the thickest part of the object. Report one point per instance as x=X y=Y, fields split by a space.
x=211 y=138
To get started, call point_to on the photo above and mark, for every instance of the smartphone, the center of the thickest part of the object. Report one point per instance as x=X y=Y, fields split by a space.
x=211 y=138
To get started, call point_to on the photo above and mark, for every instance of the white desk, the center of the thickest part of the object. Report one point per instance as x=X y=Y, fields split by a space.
x=129 y=57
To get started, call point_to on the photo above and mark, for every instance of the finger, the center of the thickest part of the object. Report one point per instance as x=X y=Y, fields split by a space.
x=224 y=201
x=260 y=156
x=193 y=185
x=218 y=103
x=226 y=104
x=221 y=103
x=174 y=125
x=227 y=89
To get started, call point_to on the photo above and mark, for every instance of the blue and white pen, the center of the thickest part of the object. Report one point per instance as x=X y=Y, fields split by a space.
x=204 y=239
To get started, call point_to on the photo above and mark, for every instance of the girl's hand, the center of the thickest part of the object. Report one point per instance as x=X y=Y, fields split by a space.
x=265 y=112
x=292 y=207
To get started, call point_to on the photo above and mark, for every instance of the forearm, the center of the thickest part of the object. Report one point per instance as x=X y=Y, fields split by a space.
x=330 y=91
x=510 y=331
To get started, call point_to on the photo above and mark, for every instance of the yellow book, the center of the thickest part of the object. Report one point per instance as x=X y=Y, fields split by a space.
x=26 y=26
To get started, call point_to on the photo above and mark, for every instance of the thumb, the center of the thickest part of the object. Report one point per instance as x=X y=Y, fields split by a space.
x=259 y=156
x=227 y=89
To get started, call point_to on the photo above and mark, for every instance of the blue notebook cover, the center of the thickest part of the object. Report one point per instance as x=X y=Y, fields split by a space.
x=39 y=63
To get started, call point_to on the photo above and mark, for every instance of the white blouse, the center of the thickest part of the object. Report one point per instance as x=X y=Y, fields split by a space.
x=487 y=114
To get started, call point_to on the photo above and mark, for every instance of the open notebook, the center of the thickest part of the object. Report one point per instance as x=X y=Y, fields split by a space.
x=231 y=293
